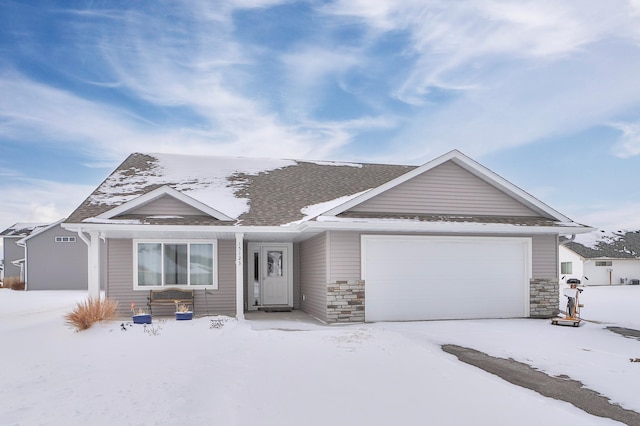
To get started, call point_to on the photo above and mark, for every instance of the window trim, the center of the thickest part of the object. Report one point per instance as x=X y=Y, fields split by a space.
x=135 y=244
x=608 y=263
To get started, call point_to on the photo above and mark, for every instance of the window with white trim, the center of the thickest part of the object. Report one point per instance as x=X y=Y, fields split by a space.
x=604 y=263
x=177 y=263
x=566 y=267
x=65 y=239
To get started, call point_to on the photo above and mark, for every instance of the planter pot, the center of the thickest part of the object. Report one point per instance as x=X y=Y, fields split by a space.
x=182 y=316
x=142 y=319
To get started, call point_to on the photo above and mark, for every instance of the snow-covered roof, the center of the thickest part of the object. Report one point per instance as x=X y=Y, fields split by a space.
x=606 y=243
x=254 y=192
x=22 y=229
x=251 y=191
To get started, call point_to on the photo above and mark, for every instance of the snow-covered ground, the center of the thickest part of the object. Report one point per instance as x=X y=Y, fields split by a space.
x=296 y=373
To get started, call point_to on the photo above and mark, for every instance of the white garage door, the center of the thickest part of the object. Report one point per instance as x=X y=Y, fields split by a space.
x=420 y=278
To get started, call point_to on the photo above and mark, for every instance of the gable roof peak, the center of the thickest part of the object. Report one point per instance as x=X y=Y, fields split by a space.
x=156 y=194
x=469 y=165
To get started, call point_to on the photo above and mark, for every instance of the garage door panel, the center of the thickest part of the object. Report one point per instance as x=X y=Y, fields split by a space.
x=416 y=278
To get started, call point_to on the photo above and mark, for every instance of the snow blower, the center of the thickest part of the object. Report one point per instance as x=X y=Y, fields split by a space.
x=572 y=314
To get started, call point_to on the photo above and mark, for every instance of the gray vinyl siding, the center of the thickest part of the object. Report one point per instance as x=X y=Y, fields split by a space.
x=120 y=277
x=221 y=301
x=166 y=205
x=344 y=255
x=445 y=189
x=313 y=276
x=12 y=252
x=55 y=265
x=545 y=256
x=215 y=302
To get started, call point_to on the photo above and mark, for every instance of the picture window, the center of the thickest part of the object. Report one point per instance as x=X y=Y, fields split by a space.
x=159 y=264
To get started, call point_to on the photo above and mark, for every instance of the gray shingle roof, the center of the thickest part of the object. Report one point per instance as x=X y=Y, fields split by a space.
x=22 y=229
x=275 y=197
x=623 y=245
x=275 y=190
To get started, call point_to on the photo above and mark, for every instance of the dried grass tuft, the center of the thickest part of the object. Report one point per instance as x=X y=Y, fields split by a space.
x=91 y=311
x=14 y=283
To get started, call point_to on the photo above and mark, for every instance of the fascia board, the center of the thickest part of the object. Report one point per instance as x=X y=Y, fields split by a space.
x=177 y=228
x=157 y=193
x=444 y=227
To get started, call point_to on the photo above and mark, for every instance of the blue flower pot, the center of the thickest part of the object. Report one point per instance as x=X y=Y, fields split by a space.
x=142 y=319
x=182 y=316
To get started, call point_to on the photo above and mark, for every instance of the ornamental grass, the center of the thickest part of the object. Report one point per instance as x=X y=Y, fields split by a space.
x=91 y=311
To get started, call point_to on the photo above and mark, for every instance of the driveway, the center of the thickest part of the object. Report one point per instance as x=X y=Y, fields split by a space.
x=562 y=388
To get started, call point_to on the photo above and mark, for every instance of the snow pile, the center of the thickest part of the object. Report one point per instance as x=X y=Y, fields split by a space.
x=279 y=372
x=314 y=210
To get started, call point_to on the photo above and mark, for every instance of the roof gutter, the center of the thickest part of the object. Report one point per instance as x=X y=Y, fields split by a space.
x=447 y=227
x=328 y=225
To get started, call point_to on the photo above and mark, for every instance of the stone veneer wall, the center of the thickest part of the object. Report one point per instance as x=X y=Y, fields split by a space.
x=544 y=295
x=345 y=301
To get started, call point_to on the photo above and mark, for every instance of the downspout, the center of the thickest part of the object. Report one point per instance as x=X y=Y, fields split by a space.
x=569 y=240
x=82 y=237
x=239 y=276
x=24 y=268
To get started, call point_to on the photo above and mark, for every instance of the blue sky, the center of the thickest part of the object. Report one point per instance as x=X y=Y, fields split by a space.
x=544 y=93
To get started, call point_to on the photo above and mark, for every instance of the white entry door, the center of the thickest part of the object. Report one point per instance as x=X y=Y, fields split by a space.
x=271 y=275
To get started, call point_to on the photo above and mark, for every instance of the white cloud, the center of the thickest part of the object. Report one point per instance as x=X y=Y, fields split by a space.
x=33 y=200
x=628 y=144
x=621 y=216
x=185 y=61
x=454 y=41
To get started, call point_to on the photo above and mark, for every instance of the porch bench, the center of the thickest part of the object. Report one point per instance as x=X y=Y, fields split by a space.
x=171 y=296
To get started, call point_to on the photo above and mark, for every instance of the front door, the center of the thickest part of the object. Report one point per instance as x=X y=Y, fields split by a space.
x=270 y=274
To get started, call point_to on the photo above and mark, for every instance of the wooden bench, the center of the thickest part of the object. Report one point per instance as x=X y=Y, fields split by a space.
x=171 y=296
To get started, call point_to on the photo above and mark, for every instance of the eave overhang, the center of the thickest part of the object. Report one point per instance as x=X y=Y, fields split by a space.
x=302 y=231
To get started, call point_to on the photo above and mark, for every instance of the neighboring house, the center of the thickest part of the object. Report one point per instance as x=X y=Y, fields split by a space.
x=55 y=259
x=45 y=256
x=341 y=241
x=602 y=258
x=14 y=254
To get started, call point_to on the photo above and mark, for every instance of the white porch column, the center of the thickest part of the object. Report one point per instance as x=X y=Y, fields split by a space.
x=94 y=264
x=239 y=276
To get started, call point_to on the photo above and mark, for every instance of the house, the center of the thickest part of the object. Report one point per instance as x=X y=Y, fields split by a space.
x=46 y=256
x=55 y=259
x=602 y=258
x=14 y=254
x=344 y=242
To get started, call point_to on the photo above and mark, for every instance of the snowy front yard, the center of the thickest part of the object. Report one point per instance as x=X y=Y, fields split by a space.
x=283 y=373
